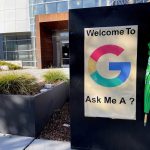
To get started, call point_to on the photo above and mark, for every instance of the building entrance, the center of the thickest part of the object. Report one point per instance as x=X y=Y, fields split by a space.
x=60 y=40
x=51 y=40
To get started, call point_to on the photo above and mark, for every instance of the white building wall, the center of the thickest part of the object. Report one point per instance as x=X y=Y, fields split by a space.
x=14 y=16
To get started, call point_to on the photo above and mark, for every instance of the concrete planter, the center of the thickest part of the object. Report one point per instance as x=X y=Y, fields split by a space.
x=26 y=115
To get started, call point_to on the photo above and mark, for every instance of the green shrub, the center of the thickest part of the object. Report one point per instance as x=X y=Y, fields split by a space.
x=55 y=77
x=10 y=66
x=22 y=84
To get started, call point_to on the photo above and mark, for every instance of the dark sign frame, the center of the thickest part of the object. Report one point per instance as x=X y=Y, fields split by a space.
x=103 y=133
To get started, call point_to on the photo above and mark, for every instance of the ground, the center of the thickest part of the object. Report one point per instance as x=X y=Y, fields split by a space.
x=58 y=127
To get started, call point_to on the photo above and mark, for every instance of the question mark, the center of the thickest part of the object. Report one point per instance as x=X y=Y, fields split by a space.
x=132 y=100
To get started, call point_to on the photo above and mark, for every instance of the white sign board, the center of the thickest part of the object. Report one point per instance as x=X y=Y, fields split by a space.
x=110 y=57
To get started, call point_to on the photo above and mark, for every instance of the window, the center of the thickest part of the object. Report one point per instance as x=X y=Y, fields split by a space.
x=88 y=3
x=33 y=42
x=75 y=4
x=120 y=2
x=31 y=11
x=11 y=56
x=25 y=55
x=38 y=1
x=62 y=6
x=24 y=44
x=51 y=0
x=32 y=29
x=18 y=47
x=10 y=45
x=32 y=21
x=17 y=42
x=24 y=63
x=31 y=1
x=1 y=47
x=51 y=8
x=39 y=9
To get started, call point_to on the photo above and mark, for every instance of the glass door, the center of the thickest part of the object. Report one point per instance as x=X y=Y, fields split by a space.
x=65 y=55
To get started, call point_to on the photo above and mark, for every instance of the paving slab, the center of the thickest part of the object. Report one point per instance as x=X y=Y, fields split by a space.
x=11 y=142
x=40 y=144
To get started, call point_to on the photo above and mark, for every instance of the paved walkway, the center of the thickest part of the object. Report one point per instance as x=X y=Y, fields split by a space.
x=9 y=142
x=40 y=144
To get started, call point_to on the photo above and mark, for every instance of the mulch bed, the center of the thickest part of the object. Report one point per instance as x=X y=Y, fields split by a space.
x=58 y=127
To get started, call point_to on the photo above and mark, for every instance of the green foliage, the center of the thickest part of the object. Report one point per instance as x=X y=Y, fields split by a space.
x=10 y=66
x=22 y=84
x=149 y=45
x=55 y=76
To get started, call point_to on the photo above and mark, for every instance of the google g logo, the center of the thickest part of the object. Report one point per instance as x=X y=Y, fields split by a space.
x=123 y=67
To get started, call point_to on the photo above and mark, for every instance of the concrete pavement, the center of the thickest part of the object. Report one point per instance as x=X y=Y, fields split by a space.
x=40 y=144
x=12 y=142
x=9 y=142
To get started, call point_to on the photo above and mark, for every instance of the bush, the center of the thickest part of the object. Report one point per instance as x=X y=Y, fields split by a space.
x=22 y=84
x=10 y=66
x=55 y=77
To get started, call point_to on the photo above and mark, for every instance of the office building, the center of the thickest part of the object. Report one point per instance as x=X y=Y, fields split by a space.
x=36 y=31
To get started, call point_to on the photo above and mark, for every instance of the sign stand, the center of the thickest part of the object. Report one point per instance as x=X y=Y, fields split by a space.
x=108 y=48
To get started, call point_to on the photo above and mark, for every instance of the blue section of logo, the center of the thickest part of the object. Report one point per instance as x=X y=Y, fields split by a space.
x=124 y=68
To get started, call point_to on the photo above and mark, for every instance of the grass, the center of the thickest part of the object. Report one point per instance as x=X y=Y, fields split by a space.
x=10 y=66
x=18 y=84
x=55 y=77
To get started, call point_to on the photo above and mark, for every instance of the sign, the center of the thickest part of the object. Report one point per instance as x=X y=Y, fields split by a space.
x=108 y=61
x=110 y=56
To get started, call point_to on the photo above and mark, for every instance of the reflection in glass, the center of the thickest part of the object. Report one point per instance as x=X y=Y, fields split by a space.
x=18 y=47
x=51 y=0
x=39 y=9
x=25 y=55
x=62 y=6
x=27 y=63
x=24 y=44
x=88 y=3
x=11 y=56
x=75 y=4
x=51 y=8
x=38 y=1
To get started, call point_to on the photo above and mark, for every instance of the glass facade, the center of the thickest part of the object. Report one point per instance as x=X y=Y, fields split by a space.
x=55 y=6
x=18 y=47
x=1 y=47
x=21 y=46
x=47 y=6
x=73 y=4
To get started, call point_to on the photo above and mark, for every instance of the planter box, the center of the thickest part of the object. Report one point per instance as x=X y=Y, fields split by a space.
x=27 y=115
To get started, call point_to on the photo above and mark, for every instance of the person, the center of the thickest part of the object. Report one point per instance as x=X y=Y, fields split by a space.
x=147 y=89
